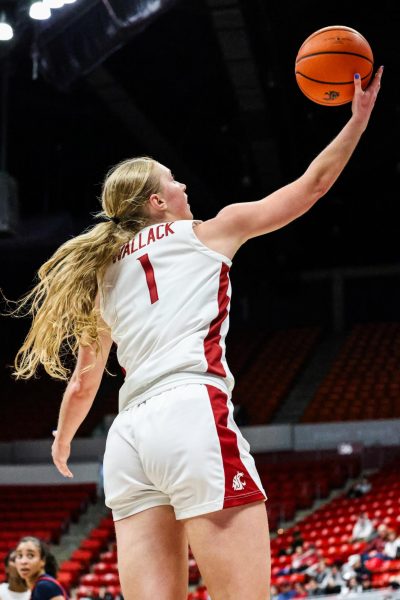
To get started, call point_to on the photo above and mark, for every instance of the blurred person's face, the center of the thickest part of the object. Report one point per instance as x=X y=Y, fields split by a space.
x=28 y=561
x=11 y=569
x=13 y=576
x=382 y=530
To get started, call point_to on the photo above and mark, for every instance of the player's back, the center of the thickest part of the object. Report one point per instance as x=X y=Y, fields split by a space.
x=166 y=298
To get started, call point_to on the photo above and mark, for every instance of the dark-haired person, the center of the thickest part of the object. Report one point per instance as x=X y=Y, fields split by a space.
x=177 y=469
x=37 y=566
x=14 y=588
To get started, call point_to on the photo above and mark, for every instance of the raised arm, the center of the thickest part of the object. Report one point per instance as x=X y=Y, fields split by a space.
x=237 y=223
x=78 y=399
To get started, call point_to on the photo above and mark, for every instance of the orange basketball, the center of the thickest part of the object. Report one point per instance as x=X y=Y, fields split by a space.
x=327 y=61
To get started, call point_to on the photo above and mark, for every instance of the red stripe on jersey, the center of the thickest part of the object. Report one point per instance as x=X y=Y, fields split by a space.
x=212 y=347
x=240 y=488
x=151 y=280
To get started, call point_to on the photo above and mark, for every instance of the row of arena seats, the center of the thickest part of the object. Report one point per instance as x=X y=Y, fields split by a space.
x=300 y=480
x=28 y=399
x=328 y=530
x=364 y=379
x=268 y=376
x=44 y=511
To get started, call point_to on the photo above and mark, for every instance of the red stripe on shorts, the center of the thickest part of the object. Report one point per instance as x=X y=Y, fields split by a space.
x=212 y=347
x=240 y=488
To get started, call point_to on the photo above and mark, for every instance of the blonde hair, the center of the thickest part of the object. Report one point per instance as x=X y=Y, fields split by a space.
x=62 y=304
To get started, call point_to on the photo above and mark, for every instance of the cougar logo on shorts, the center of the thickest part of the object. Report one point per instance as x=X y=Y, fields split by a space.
x=237 y=482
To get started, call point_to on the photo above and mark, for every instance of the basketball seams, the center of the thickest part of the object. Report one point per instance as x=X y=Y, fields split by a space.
x=331 y=82
x=333 y=52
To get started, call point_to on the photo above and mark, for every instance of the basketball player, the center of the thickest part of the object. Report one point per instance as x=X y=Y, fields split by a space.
x=177 y=469
x=37 y=566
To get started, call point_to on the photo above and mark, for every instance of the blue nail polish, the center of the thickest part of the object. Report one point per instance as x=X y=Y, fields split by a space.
x=357 y=76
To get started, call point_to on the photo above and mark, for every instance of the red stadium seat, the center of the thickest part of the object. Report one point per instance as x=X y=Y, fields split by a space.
x=101 y=568
x=115 y=590
x=84 y=591
x=109 y=579
x=90 y=580
x=84 y=557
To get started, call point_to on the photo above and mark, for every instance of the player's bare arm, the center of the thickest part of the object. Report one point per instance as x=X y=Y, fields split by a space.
x=237 y=223
x=78 y=398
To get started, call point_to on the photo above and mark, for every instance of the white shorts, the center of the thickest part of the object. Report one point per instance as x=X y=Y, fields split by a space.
x=183 y=449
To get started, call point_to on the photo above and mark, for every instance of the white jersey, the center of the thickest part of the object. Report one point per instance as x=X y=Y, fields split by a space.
x=166 y=298
x=7 y=594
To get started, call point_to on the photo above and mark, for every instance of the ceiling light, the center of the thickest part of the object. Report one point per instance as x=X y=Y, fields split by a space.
x=6 y=32
x=39 y=11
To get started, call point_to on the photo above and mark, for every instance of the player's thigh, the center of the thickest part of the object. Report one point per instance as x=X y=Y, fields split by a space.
x=152 y=555
x=232 y=549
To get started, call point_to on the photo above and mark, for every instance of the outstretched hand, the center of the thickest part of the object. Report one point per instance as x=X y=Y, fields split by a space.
x=60 y=453
x=364 y=100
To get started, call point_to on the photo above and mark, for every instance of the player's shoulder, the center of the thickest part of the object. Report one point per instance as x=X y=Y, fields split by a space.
x=48 y=587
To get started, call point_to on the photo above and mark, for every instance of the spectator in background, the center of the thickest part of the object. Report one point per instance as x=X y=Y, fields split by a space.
x=297 y=541
x=303 y=558
x=366 y=585
x=353 y=588
x=274 y=592
x=360 y=488
x=319 y=571
x=333 y=582
x=38 y=568
x=286 y=592
x=14 y=588
x=300 y=590
x=363 y=528
x=355 y=568
x=392 y=546
x=312 y=587
x=376 y=546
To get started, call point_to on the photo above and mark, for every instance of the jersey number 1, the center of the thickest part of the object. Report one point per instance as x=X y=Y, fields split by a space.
x=150 y=278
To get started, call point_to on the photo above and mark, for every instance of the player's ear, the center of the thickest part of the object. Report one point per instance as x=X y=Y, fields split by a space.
x=156 y=202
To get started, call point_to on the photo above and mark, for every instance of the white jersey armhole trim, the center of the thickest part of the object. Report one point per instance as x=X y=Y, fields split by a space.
x=196 y=243
x=102 y=308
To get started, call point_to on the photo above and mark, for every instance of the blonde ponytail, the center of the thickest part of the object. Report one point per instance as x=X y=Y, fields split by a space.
x=62 y=304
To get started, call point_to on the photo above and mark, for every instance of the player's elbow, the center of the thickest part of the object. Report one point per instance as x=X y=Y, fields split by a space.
x=317 y=188
x=82 y=385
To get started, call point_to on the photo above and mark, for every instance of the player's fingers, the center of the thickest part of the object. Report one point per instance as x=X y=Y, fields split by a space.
x=376 y=81
x=378 y=77
x=62 y=467
x=357 y=83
